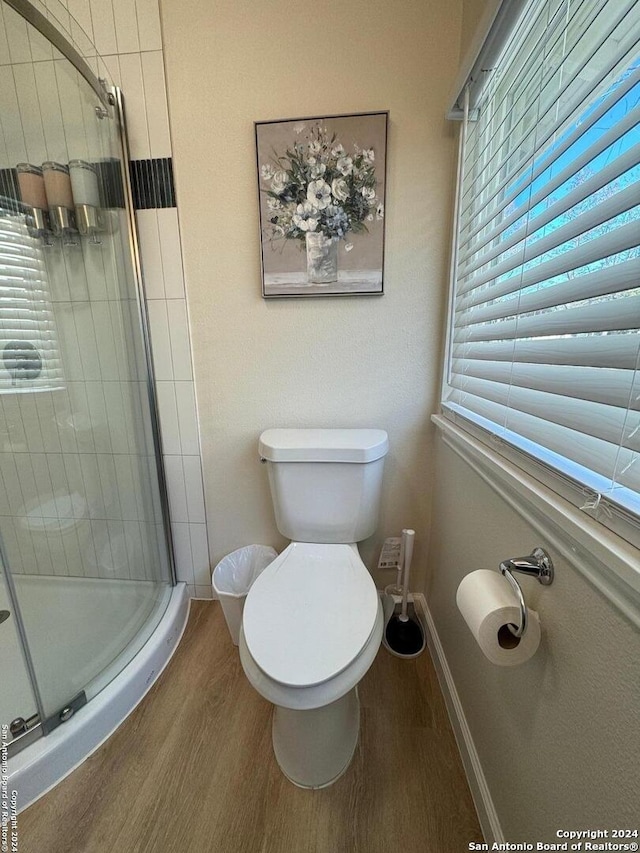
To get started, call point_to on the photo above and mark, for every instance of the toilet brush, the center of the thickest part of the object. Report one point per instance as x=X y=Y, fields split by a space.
x=403 y=634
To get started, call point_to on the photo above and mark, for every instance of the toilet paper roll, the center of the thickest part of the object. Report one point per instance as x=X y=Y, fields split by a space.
x=489 y=605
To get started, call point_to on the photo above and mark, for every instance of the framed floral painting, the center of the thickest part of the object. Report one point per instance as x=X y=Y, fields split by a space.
x=322 y=204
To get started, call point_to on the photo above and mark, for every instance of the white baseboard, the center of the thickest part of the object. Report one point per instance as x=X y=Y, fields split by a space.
x=487 y=814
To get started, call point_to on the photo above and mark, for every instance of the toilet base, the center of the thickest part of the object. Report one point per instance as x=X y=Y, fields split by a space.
x=315 y=747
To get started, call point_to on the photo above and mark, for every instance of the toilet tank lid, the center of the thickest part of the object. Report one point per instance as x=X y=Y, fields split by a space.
x=323 y=445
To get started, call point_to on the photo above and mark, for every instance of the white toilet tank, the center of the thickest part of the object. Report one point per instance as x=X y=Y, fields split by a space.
x=325 y=483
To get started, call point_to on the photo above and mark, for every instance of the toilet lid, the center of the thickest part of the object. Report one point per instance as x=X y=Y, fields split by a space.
x=310 y=613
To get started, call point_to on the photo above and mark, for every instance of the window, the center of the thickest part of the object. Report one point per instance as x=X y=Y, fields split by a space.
x=544 y=343
x=29 y=356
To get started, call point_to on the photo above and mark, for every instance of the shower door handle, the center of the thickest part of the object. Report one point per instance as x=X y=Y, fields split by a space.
x=4 y=615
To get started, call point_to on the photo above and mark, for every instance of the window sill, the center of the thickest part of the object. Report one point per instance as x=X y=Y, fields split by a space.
x=609 y=563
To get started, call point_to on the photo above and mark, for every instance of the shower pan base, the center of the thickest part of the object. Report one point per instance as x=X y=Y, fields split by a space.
x=40 y=766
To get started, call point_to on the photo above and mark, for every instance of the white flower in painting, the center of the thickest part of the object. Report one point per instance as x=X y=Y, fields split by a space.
x=279 y=182
x=368 y=193
x=369 y=155
x=274 y=203
x=315 y=147
x=319 y=194
x=339 y=189
x=317 y=170
x=370 y=217
x=380 y=211
x=348 y=247
x=306 y=217
x=266 y=171
x=299 y=127
x=345 y=165
x=338 y=150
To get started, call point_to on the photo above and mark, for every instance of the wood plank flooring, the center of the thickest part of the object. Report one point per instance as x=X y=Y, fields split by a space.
x=192 y=770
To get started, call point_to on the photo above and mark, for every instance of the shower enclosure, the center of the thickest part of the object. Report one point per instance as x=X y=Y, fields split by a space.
x=86 y=569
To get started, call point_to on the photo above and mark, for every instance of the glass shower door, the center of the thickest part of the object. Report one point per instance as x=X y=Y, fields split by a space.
x=81 y=515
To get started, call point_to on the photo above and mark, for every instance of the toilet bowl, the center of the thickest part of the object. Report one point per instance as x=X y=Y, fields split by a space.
x=312 y=626
x=312 y=622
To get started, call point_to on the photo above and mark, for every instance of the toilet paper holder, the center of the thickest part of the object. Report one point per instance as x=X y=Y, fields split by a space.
x=539 y=565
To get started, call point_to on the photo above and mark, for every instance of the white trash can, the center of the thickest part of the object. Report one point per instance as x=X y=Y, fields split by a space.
x=232 y=579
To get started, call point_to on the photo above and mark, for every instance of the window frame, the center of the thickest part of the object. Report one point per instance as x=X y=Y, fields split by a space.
x=622 y=522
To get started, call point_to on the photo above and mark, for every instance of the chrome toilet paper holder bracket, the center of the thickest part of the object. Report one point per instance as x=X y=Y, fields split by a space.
x=539 y=565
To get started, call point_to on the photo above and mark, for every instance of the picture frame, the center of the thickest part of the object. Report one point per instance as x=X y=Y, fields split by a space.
x=321 y=195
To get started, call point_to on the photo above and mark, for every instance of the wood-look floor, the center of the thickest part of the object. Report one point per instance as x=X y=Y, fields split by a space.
x=192 y=770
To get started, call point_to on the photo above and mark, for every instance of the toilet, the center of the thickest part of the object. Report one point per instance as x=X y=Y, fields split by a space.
x=312 y=622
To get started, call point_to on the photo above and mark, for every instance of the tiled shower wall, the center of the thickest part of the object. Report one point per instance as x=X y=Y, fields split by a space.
x=126 y=35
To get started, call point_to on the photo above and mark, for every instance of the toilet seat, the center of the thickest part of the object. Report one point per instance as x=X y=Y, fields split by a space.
x=310 y=613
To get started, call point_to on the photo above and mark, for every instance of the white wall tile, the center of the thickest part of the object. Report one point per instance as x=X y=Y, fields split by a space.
x=124 y=13
x=126 y=486
x=76 y=321
x=100 y=556
x=27 y=553
x=97 y=421
x=73 y=473
x=30 y=112
x=104 y=29
x=11 y=495
x=160 y=339
x=182 y=552
x=126 y=21
x=55 y=544
x=42 y=551
x=31 y=423
x=171 y=253
x=16 y=145
x=109 y=486
x=84 y=45
x=187 y=418
x=119 y=552
x=43 y=482
x=200 y=554
x=194 y=489
x=151 y=258
x=168 y=414
x=134 y=549
x=59 y=15
x=80 y=10
x=112 y=64
x=49 y=104
x=59 y=483
x=149 y=24
x=17 y=35
x=176 y=488
x=72 y=110
x=41 y=48
x=104 y=340
x=28 y=488
x=133 y=87
x=5 y=55
x=155 y=92
x=118 y=423
x=179 y=334
x=48 y=425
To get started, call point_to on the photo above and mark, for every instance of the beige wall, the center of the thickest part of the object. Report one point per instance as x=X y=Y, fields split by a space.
x=557 y=737
x=325 y=362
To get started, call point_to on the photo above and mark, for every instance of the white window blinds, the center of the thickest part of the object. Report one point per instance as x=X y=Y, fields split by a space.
x=544 y=339
x=29 y=354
